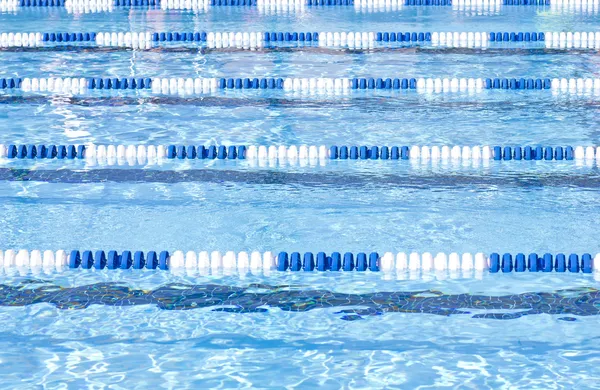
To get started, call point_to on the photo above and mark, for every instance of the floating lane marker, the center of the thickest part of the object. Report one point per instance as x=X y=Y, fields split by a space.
x=572 y=40
x=86 y=6
x=310 y=86
x=9 y=5
x=276 y=6
x=337 y=40
x=362 y=3
x=395 y=5
x=295 y=261
x=352 y=40
x=147 y=154
x=21 y=39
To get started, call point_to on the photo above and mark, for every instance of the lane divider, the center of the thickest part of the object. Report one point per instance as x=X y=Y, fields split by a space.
x=398 y=4
x=253 y=40
x=148 y=153
x=352 y=40
x=277 y=6
x=9 y=5
x=190 y=86
x=86 y=6
x=296 y=261
x=366 y=3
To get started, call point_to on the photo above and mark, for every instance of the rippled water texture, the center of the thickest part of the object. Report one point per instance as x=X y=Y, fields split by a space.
x=298 y=330
x=140 y=329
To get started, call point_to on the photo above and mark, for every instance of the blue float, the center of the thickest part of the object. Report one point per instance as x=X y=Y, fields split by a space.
x=100 y=260
x=112 y=261
x=361 y=262
x=308 y=263
x=74 y=259
x=322 y=261
x=295 y=261
x=139 y=261
x=335 y=261
x=282 y=261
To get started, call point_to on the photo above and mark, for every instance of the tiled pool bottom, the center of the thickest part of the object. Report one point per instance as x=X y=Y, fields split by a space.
x=260 y=298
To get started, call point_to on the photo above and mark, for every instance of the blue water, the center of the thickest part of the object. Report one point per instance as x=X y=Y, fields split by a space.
x=137 y=346
x=142 y=329
x=320 y=209
x=372 y=118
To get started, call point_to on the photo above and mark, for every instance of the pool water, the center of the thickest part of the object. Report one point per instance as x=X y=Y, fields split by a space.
x=299 y=331
x=193 y=328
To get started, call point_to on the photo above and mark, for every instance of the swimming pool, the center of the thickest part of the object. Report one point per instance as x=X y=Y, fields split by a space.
x=199 y=195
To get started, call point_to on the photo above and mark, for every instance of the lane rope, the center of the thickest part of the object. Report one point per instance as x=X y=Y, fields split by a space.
x=333 y=86
x=295 y=261
x=148 y=154
x=351 y=40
